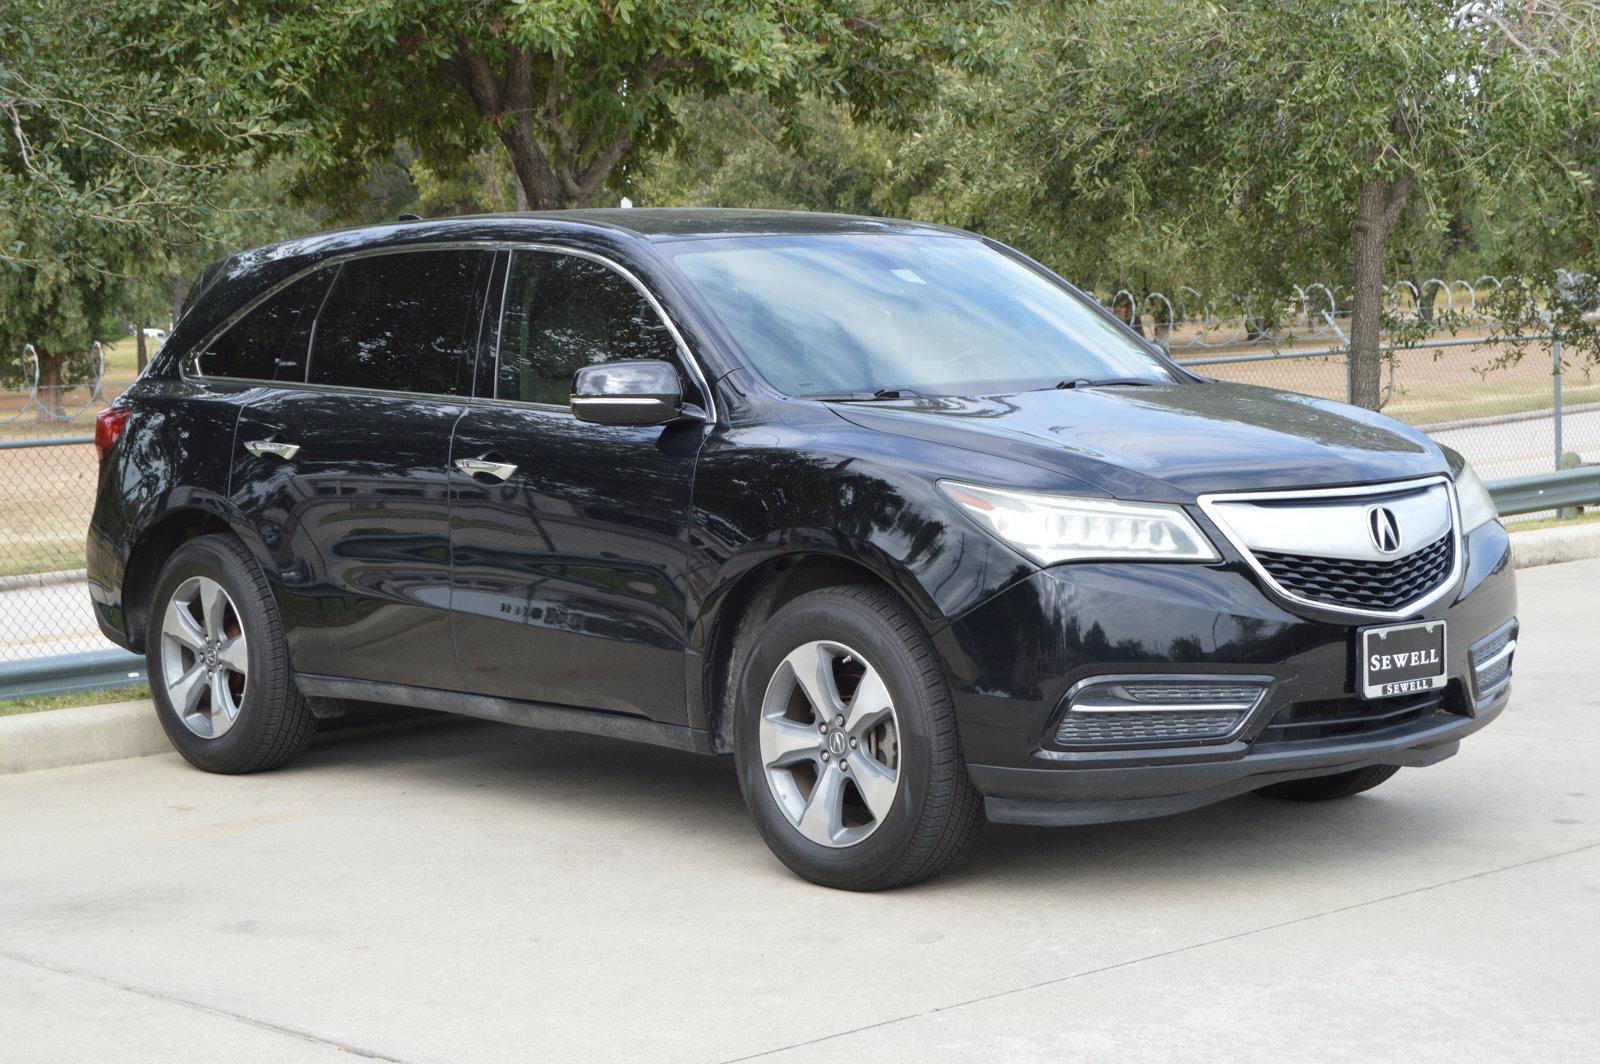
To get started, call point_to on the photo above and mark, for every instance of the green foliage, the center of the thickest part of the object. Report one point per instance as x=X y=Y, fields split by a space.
x=741 y=150
x=96 y=202
x=574 y=92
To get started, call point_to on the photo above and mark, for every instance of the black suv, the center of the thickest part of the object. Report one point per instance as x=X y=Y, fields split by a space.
x=907 y=524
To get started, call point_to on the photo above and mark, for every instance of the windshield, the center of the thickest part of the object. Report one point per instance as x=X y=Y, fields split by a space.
x=936 y=315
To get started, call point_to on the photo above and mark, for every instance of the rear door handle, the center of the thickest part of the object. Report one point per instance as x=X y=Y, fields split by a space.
x=486 y=467
x=264 y=447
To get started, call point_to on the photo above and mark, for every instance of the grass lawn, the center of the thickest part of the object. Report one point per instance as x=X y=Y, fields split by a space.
x=1423 y=386
x=12 y=707
x=1555 y=522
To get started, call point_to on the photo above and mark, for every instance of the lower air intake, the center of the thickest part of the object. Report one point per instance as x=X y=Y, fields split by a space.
x=1138 y=712
x=1081 y=729
x=1491 y=660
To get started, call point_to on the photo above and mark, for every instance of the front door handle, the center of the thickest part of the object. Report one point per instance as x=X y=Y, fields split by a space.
x=486 y=467
x=263 y=447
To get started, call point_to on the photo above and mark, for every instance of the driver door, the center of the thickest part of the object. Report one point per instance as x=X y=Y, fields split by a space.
x=569 y=545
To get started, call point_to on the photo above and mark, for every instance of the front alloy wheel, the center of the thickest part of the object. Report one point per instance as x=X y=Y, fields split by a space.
x=830 y=743
x=846 y=741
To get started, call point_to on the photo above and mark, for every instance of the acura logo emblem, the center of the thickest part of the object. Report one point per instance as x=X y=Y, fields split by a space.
x=1384 y=528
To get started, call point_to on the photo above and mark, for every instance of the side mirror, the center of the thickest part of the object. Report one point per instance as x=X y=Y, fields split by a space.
x=638 y=392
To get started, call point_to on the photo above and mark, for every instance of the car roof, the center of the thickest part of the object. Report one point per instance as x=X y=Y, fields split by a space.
x=681 y=223
x=621 y=224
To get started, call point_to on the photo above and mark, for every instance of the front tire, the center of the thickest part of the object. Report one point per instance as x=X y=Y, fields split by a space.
x=1327 y=788
x=846 y=743
x=219 y=663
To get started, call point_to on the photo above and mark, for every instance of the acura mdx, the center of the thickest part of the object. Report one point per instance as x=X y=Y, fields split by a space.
x=905 y=523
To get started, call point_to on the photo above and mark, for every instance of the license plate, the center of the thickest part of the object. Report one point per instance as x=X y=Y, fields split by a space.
x=1401 y=659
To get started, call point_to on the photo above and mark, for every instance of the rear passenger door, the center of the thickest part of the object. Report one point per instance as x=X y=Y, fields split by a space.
x=341 y=465
x=571 y=559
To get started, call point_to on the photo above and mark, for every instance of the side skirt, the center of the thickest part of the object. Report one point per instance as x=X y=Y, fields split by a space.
x=510 y=711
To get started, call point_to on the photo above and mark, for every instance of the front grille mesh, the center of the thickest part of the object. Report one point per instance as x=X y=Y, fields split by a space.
x=1489 y=673
x=1367 y=585
x=1141 y=726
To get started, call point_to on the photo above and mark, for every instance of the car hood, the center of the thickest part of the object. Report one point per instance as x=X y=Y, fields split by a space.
x=1168 y=443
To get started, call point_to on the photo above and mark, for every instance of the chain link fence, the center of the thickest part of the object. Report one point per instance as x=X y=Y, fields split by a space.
x=1513 y=409
x=48 y=474
x=1509 y=416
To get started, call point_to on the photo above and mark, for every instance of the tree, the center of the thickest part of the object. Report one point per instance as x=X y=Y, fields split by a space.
x=1282 y=137
x=95 y=204
x=740 y=150
x=574 y=93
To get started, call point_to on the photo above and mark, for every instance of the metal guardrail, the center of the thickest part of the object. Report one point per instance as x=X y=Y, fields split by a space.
x=1547 y=491
x=91 y=670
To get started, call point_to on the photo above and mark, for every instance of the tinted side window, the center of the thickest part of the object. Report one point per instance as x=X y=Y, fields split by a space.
x=269 y=343
x=406 y=322
x=564 y=312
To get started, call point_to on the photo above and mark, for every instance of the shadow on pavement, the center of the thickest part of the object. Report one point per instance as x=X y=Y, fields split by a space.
x=632 y=786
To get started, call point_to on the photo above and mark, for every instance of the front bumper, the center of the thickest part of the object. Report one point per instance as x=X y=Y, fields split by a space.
x=1014 y=658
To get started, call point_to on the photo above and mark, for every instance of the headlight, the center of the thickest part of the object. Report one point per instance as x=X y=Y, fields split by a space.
x=1477 y=508
x=1061 y=528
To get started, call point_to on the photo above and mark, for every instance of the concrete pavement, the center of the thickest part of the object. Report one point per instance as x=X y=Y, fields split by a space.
x=471 y=892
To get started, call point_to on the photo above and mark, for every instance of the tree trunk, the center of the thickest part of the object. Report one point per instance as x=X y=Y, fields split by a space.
x=1377 y=210
x=138 y=332
x=51 y=401
x=557 y=167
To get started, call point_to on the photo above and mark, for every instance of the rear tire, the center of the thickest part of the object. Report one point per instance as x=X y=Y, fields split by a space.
x=219 y=663
x=872 y=792
x=1327 y=788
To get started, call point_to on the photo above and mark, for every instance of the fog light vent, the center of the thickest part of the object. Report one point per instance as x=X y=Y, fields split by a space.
x=1491 y=660
x=1128 y=711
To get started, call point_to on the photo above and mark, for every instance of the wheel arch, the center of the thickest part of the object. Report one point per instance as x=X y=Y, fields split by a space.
x=759 y=581
x=198 y=514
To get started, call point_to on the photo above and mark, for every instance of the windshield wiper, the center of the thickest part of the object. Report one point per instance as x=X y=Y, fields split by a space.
x=864 y=397
x=1085 y=382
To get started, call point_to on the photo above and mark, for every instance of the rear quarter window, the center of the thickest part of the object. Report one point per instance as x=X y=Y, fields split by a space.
x=269 y=342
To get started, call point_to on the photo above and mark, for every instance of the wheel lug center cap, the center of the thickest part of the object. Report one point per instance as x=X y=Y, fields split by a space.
x=836 y=742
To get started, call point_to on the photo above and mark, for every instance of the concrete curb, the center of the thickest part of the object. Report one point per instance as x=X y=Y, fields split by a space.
x=52 y=738
x=1549 y=546
x=64 y=576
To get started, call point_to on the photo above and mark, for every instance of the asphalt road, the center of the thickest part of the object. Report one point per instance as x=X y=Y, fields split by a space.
x=1519 y=448
x=473 y=892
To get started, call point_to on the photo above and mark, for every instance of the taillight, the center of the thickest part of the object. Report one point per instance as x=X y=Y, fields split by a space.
x=108 y=425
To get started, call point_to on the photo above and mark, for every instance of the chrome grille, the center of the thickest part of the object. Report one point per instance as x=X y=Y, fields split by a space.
x=1334 y=548
x=1359 y=584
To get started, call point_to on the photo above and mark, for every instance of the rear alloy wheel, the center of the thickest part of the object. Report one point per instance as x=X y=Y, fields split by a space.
x=219 y=663
x=205 y=659
x=846 y=742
